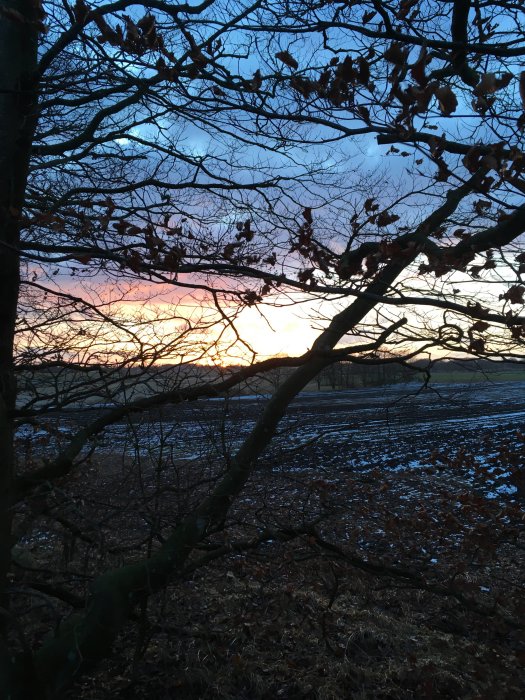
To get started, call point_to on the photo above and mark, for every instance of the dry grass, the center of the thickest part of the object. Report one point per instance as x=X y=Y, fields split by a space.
x=269 y=626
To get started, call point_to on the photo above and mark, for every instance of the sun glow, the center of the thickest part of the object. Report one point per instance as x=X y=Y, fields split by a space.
x=172 y=326
x=200 y=333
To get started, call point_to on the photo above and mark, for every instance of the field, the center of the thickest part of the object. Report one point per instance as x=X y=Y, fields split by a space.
x=389 y=557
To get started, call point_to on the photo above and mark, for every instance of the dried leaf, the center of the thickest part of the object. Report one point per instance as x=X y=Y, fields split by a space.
x=173 y=258
x=490 y=161
x=347 y=72
x=514 y=294
x=287 y=59
x=370 y=205
x=84 y=259
x=302 y=85
x=305 y=275
x=395 y=54
x=447 y=100
x=364 y=71
x=418 y=69
x=229 y=250
x=131 y=29
x=245 y=231
x=480 y=326
x=385 y=218
x=472 y=158
x=475 y=271
x=490 y=83
x=405 y=7
x=256 y=81
x=146 y=24
x=80 y=10
x=364 y=112
x=477 y=345
x=481 y=206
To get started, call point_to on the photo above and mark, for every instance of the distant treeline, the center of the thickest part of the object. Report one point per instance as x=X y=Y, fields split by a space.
x=472 y=365
x=345 y=375
x=109 y=385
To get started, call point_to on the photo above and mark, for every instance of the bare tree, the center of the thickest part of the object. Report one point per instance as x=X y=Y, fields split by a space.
x=164 y=156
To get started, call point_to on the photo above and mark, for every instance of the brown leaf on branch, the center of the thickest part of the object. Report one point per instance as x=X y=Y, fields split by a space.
x=418 y=69
x=245 y=231
x=83 y=259
x=305 y=275
x=490 y=83
x=405 y=7
x=514 y=294
x=385 y=218
x=364 y=113
x=303 y=86
x=132 y=33
x=472 y=159
x=480 y=326
x=147 y=24
x=447 y=100
x=517 y=332
x=481 y=206
x=477 y=345
x=347 y=72
x=395 y=54
x=370 y=205
x=173 y=257
x=107 y=33
x=364 y=71
x=251 y=297
x=80 y=10
x=134 y=261
x=287 y=59
x=255 y=83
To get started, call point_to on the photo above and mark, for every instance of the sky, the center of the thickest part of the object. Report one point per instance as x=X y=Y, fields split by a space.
x=289 y=329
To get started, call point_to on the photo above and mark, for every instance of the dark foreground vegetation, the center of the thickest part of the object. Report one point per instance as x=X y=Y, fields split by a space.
x=355 y=566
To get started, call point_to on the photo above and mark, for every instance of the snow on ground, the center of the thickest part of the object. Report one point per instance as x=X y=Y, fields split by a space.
x=391 y=428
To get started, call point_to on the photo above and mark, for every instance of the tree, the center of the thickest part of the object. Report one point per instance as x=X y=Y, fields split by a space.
x=107 y=178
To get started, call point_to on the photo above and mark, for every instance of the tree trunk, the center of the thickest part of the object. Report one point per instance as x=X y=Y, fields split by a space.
x=18 y=62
